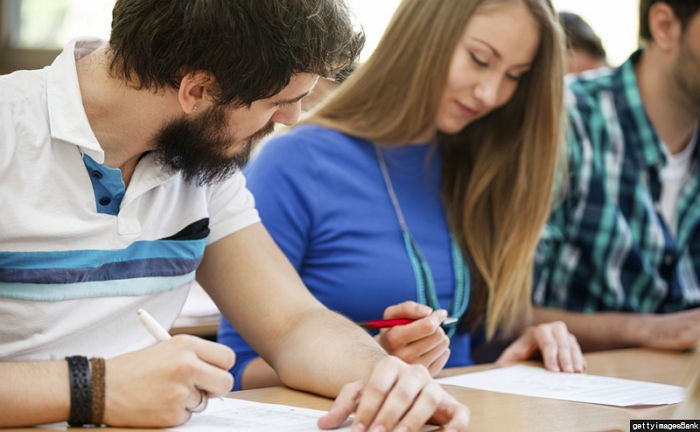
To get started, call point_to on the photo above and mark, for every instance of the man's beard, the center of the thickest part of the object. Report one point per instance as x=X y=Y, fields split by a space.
x=687 y=77
x=198 y=147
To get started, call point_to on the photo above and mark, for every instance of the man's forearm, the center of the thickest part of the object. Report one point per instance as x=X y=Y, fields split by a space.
x=338 y=353
x=597 y=331
x=310 y=347
x=258 y=373
x=33 y=393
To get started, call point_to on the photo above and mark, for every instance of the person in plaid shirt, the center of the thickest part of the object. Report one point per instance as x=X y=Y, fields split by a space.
x=619 y=261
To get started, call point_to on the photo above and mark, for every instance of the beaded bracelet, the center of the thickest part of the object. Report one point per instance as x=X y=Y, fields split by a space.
x=97 y=366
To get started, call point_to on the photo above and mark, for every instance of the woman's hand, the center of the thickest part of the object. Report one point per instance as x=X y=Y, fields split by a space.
x=559 y=348
x=420 y=342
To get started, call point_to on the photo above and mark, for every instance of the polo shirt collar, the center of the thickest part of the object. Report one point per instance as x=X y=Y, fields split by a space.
x=649 y=148
x=67 y=119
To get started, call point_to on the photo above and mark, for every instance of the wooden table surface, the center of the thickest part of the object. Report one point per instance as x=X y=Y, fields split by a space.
x=505 y=412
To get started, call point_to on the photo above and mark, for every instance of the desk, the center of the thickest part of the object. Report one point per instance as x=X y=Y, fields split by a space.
x=199 y=315
x=505 y=412
x=205 y=327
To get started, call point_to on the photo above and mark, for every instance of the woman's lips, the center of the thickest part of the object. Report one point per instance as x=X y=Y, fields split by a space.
x=467 y=111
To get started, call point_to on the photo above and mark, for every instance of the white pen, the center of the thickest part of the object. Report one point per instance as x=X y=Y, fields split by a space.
x=155 y=329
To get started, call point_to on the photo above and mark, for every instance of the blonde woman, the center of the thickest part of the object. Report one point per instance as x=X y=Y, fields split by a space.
x=420 y=188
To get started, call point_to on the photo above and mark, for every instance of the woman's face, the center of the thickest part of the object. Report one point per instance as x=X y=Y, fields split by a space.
x=497 y=47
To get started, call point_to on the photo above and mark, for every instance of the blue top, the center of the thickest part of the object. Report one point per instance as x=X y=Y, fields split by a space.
x=321 y=195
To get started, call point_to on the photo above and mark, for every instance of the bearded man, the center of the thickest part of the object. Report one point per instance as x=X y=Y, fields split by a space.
x=121 y=184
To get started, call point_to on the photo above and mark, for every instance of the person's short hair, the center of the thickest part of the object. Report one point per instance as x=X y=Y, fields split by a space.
x=683 y=9
x=251 y=47
x=344 y=73
x=580 y=36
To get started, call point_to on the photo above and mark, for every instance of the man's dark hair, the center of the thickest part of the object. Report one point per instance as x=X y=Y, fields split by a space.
x=580 y=35
x=683 y=9
x=251 y=47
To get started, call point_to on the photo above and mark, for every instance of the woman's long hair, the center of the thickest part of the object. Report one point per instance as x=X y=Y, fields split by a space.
x=497 y=173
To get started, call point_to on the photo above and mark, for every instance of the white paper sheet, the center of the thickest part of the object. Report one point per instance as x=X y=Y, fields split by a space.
x=240 y=415
x=538 y=382
x=245 y=416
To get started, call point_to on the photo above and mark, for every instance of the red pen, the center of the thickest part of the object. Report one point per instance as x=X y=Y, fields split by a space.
x=386 y=323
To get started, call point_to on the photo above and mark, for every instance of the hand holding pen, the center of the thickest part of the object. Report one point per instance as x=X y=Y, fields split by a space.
x=197 y=364
x=158 y=332
x=154 y=386
x=413 y=332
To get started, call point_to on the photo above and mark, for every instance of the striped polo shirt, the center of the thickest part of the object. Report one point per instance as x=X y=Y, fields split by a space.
x=607 y=246
x=79 y=252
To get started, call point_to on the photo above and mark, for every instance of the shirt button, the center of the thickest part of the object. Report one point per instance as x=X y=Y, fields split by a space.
x=105 y=201
x=97 y=174
x=668 y=260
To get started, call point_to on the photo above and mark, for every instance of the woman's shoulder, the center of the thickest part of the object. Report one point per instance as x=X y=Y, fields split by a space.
x=310 y=141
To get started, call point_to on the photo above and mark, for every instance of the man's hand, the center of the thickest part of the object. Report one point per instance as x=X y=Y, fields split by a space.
x=420 y=342
x=154 y=387
x=396 y=395
x=560 y=349
x=675 y=331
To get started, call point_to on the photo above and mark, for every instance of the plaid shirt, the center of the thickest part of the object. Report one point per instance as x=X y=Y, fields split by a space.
x=606 y=246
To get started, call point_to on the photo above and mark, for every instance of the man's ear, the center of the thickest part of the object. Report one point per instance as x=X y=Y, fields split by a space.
x=193 y=93
x=665 y=28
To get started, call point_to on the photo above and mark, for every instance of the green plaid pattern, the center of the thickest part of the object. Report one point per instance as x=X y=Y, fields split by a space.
x=606 y=247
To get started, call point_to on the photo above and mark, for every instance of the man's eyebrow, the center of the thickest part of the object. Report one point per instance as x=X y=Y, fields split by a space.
x=290 y=101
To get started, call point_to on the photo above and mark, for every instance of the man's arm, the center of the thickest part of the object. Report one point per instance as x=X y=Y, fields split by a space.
x=314 y=349
x=152 y=387
x=255 y=287
x=610 y=330
x=421 y=342
x=258 y=373
x=34 y=393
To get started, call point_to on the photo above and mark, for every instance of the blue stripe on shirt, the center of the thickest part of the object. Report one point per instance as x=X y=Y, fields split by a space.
x=93 y=258
x=143 y=259
x=109 y=271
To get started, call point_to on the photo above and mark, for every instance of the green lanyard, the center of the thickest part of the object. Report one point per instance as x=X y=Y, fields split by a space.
x=425 y=285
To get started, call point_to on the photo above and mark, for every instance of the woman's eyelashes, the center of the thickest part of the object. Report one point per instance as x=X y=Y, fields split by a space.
x=484 y=64
x=516 y=78
x=479 y=61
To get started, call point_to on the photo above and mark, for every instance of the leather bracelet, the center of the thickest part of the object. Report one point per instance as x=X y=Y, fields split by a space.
x=80 y=391
x=97 y=367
